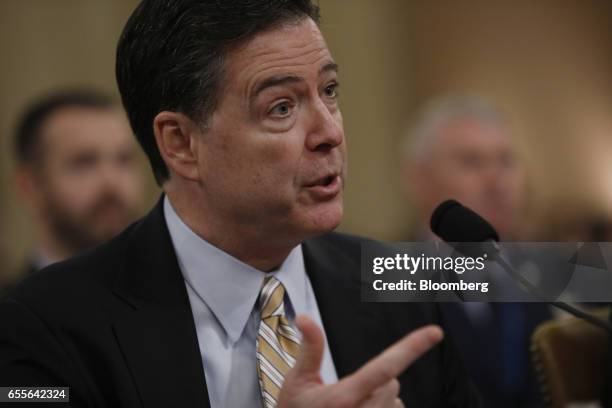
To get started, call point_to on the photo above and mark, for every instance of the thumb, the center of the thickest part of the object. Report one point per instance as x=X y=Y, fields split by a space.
x=308 y=363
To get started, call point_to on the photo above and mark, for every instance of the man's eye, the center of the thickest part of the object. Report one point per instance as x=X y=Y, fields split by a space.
x=83 y=162
x=282 y=109
x=331 y=90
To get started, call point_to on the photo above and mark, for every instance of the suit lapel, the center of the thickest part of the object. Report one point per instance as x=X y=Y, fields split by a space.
x=157 y=336
x=353 y=328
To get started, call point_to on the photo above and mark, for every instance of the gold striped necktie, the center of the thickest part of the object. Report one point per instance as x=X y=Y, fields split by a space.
x=278 y=343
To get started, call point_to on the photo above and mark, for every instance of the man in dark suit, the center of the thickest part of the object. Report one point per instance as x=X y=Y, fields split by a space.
x=76 y=173
x=235 y=104
x=460 y=147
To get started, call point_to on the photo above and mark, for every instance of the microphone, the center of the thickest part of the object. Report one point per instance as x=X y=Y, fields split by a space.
x=454 y=222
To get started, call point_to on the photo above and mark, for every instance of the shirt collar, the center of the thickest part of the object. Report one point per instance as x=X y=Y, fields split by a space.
x=228 y=286
x=42 y=258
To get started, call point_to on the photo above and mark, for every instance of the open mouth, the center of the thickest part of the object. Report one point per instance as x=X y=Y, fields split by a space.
x=328 y=180
x=325 y=188
x=323 y=182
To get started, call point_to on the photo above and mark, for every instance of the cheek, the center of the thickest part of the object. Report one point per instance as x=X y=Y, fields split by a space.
x=75 y=191
x=132 y=185
x=59 y=196
x=245 y=164
x=273 y=166
x=274 y=177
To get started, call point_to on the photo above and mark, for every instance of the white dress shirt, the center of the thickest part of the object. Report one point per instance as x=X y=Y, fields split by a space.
x=223 y=292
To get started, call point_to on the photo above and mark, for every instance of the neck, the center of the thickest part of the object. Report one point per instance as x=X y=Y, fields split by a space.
x=244 y=242
x=52 y=247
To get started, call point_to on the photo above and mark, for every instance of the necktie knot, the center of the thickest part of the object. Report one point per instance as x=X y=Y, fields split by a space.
x=271 y=298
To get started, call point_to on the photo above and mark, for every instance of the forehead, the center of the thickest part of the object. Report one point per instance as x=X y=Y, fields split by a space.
x=471 y=133
x=291 y=48
x=74 y=128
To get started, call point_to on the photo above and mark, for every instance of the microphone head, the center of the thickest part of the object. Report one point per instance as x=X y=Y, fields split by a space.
x=453 y=222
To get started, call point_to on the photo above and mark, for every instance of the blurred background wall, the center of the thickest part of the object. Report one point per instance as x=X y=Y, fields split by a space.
x=547 y=64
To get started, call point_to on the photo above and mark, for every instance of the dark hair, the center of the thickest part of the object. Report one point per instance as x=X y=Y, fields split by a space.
x=170 y=56
x=28 y=131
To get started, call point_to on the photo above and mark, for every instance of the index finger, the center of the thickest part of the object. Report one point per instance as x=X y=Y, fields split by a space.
x=392 y=362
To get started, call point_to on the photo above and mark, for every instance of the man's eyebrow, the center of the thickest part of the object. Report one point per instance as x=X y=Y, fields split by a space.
x=275 y=81
x=289 y=79
x=331 y=66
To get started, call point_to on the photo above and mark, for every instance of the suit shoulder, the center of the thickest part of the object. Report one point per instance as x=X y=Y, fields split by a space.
x=81 y=276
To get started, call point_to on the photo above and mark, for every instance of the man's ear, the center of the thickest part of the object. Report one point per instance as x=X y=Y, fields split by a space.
x=26 y=183
x=176 y=136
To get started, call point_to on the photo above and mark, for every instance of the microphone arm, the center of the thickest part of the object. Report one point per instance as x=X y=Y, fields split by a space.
x=510 y=270
x=454 y=222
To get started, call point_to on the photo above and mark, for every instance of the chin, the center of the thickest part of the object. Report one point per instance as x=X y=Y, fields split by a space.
x=324 y=220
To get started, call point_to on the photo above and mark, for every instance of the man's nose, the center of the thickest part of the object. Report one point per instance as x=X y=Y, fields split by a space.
x=325 y=131
x=110 y=174
x=497 y=182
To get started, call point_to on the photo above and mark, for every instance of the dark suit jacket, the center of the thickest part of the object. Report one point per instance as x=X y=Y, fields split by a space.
x=115 y=325
x=486 y=350
x=28 y=269
x=607 y=387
